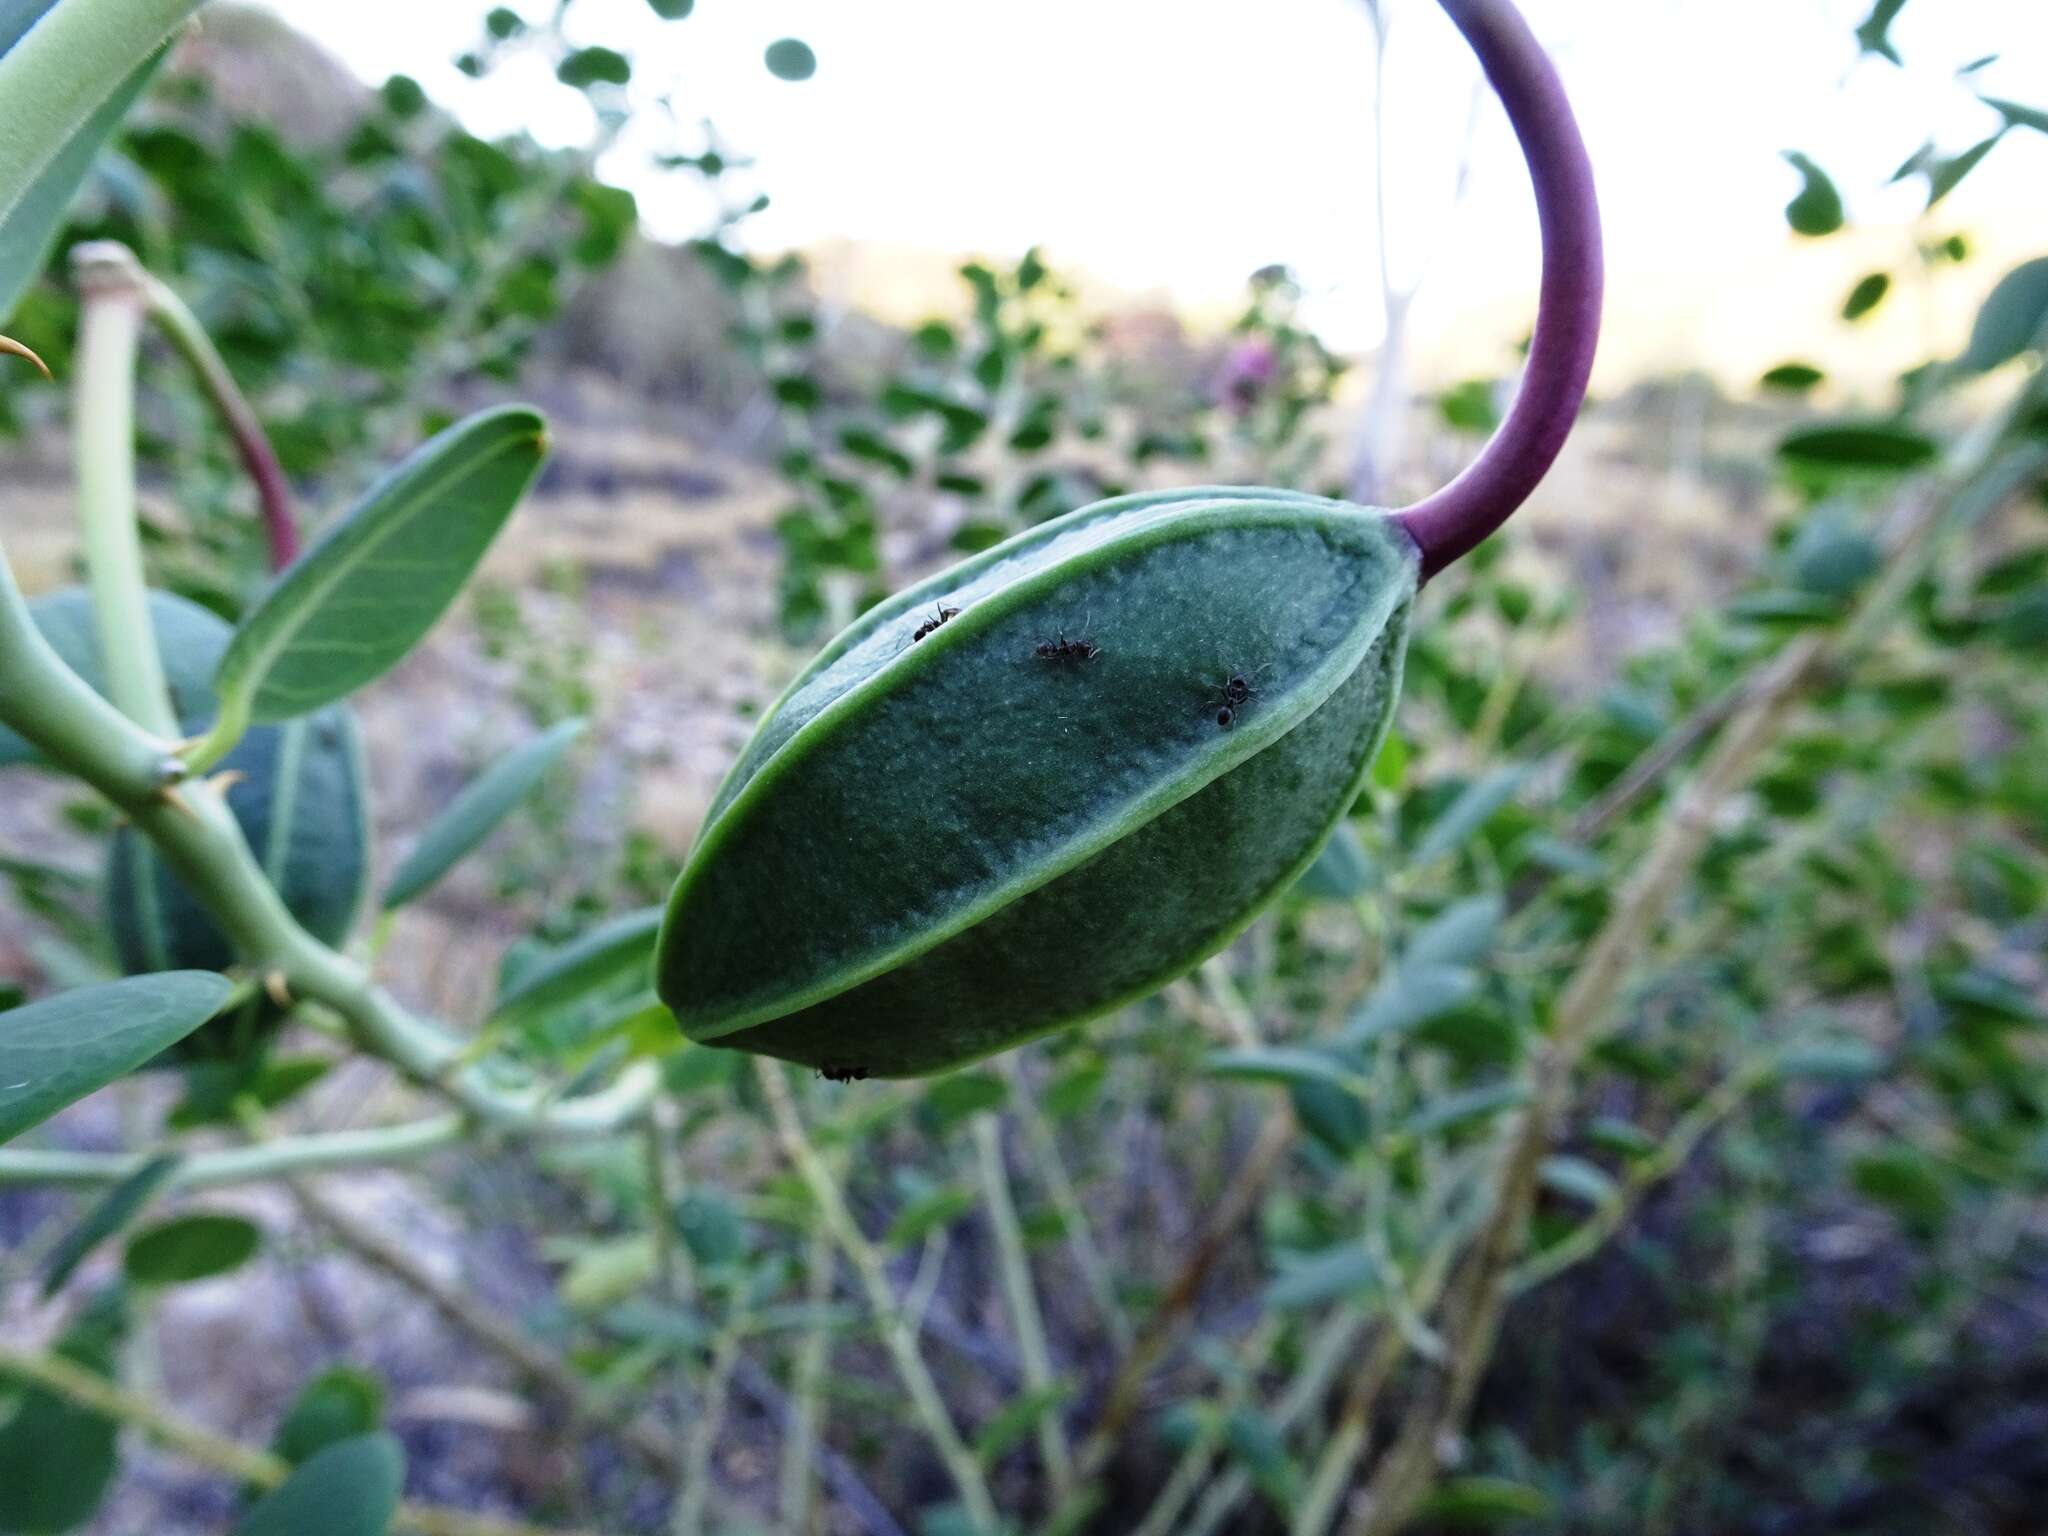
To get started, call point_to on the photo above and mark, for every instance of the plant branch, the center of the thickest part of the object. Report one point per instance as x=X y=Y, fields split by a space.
x=1479 y=1292
x=203 y=844
x=273 y=495
x=695 y=1495
x=1236 y=1204
x=1021 y=1294
x=315 y=1152
x=1670 y=1155
x=813 y=1359
x=85 y=1389
x=1074 y=1223
x=645 y=1438
x=925 y=1399
x=103 y=432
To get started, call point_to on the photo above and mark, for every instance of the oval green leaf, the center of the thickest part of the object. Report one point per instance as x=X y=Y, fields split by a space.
x=474 y=813
x=1462 y=819
x=1343 y=871
x=791 y=58
x=1873 y=448
x=350 y=607
x=608 y=954
x=2018 y=115
x=188 y=1248
x=1347 y=1271
x=1868 y=293
x=2013 y=318
x=59 y=67
x=349 y=1489
x=594 y=66
x=338 y=1404
x=60 y=1049
x=1473 y=1503
x=1792 y=378
x=1817 y=210
x=57 y=1459
x=1287 y=1065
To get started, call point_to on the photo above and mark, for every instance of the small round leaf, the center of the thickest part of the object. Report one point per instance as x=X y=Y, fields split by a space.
x=790 y=58
x=188 y=1248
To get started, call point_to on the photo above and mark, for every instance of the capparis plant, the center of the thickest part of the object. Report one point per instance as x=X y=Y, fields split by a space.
x=1630 y=1120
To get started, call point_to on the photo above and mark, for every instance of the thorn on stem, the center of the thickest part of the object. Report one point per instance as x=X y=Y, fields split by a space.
x=274 y=987
x=15 y=349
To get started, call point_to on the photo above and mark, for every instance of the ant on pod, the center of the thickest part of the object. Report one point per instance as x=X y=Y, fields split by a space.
x=1063 y=649
x=939 y=617
x=1234 y=692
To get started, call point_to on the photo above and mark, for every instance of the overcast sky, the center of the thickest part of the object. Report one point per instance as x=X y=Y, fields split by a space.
x=1173 y=146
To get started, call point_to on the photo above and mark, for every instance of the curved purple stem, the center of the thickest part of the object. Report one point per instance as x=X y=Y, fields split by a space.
x=1452 y=522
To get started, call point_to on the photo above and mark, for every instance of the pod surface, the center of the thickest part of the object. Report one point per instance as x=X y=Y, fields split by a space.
x=934 y=848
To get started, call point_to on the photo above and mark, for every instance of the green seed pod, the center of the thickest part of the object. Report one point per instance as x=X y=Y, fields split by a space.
x=1042 y=783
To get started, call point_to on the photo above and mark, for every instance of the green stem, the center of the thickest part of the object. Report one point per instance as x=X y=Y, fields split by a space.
x=110 y=330
x=925 y=1399
x=1182 y=1484
x=703 y=1438
x=1021 y=1294
x=1059 y=1188
x=314 y=1153
x=202 y=843
x=73 y=724
x=814 y=1357
x=1668 y=1158
x=61 y=70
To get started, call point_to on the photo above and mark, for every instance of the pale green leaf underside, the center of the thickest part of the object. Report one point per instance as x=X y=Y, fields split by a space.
x=57 y=1051
x=354 y=604
x=31 y=229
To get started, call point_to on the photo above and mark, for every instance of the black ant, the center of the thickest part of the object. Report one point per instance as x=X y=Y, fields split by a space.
x=944 y=613
x=838 y=1074
x=1236 y=690
x=1064 y=649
